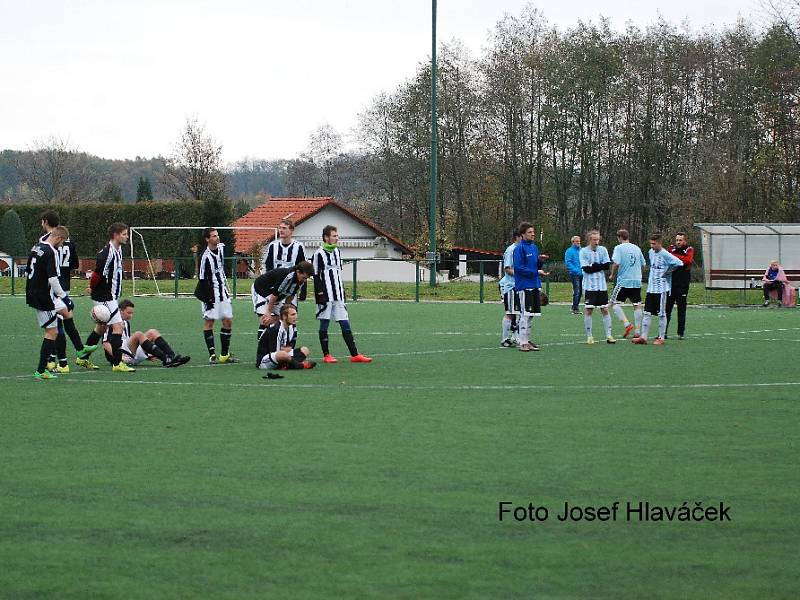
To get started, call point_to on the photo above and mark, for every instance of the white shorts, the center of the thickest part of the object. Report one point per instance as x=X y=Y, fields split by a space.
x=260 y=303
x=113 y=308
x=511 y=302
x=220 y=310
x=133 y=358
x=48 y=319
x=269 y=362
x=332 y=311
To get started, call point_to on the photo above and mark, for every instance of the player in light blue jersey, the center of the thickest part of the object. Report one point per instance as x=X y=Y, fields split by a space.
x=594 y=263
x=510 y=300
x=627 y=268
x=659 y=283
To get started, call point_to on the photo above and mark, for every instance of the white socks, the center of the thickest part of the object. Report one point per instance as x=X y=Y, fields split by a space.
x=524 y=329
x=645 y=324
x=621 y=314
x=506 y=328
x=607 y=323
x=587 y=324
x=662 y=326
x=637 y=319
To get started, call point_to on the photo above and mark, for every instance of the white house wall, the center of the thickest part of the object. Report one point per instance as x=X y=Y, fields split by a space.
x=351 y=232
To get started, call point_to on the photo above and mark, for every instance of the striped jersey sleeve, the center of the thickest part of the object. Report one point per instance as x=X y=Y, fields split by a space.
x=594 y=282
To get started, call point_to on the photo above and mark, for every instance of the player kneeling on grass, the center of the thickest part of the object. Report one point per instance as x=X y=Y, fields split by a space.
x=138 y=347
x=44 y=293
x=276 y=346
x=329 y=296
x=659 y=283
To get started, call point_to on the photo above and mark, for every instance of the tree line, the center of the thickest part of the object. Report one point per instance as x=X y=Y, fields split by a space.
x=587 y=127
x=646 y=128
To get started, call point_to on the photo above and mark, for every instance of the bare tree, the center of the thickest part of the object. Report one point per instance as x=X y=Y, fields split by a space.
x=324 y=146
x=56 y=171
x=194 y=171
x=787 y=14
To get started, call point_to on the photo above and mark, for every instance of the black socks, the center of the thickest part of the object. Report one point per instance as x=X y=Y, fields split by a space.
x=93 y=339
x=72 y=332
x=150 y=348
x=48 y=348
x=225 y=340
x=209 y=336
x=115 y=339
x=161 y=343
x=323 y=341
x=61 y=349
x=351 y=343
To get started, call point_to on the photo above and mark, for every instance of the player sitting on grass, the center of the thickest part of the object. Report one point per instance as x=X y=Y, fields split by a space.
x=329 y=296
x=274 y=288
x=138 y=347
x=105 y=287
x=43 y=292
x=276 y=346
x=662 y=263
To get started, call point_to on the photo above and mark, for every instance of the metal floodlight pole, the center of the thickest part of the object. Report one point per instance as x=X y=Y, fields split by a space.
x=434 y=147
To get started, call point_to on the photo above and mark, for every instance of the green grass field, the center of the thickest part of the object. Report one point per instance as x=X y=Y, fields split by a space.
x=383 y=480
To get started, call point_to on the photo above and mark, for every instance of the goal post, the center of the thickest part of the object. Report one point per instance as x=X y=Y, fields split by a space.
x=138 y=238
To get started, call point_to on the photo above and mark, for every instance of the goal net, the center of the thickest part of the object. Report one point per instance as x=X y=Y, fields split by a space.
x=164 y=260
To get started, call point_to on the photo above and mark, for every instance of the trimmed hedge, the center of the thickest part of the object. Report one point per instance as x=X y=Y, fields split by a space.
x=88 y=224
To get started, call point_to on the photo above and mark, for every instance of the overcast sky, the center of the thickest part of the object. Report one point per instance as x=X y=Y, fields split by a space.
x=118 y=78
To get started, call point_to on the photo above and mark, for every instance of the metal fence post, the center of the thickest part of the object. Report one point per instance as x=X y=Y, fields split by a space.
x=480 y=286
x=235 y=269
x=177 y=273
x=417 y=291
x=355 y=279
x=13 y=273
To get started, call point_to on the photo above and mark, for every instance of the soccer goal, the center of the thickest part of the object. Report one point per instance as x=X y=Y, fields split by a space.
x=161 y=275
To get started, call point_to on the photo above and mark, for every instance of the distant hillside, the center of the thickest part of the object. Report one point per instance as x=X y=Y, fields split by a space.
x=246 y=178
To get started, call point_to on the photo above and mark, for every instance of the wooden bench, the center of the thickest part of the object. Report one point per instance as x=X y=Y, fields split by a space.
x=755 y=275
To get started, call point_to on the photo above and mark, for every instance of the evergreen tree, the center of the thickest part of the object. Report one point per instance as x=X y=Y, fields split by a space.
x=144 y=192
x=12 y=235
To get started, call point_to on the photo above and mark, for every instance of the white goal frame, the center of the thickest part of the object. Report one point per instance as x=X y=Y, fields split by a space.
x=134 y=231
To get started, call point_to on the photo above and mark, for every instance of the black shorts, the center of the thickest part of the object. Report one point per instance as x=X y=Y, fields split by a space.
x=596 y=299
x=530 y=303
x=298 y=355
x=656 y=304
x=511 y=302
x=620 y=294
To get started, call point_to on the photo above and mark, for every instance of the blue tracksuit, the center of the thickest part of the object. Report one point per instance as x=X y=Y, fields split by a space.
x=526 y=266
x=572 y=261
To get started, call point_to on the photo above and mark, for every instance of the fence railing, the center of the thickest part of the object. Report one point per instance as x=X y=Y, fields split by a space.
x=364 y=278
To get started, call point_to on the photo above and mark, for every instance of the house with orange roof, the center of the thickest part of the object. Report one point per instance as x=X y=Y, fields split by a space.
x=359 y=238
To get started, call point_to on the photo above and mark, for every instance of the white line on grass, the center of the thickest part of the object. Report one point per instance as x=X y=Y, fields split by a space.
x=435 y=387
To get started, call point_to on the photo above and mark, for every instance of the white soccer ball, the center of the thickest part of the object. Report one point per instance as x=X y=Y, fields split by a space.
x=101 y=314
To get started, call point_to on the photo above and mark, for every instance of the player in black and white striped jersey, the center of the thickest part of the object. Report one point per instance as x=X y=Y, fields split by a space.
x=285 y=252
x=329 y=295
x=216 y=298
x=67 y=261
x=277 y=344
x=139 y=346
x=270 y=290
x=106 y=288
